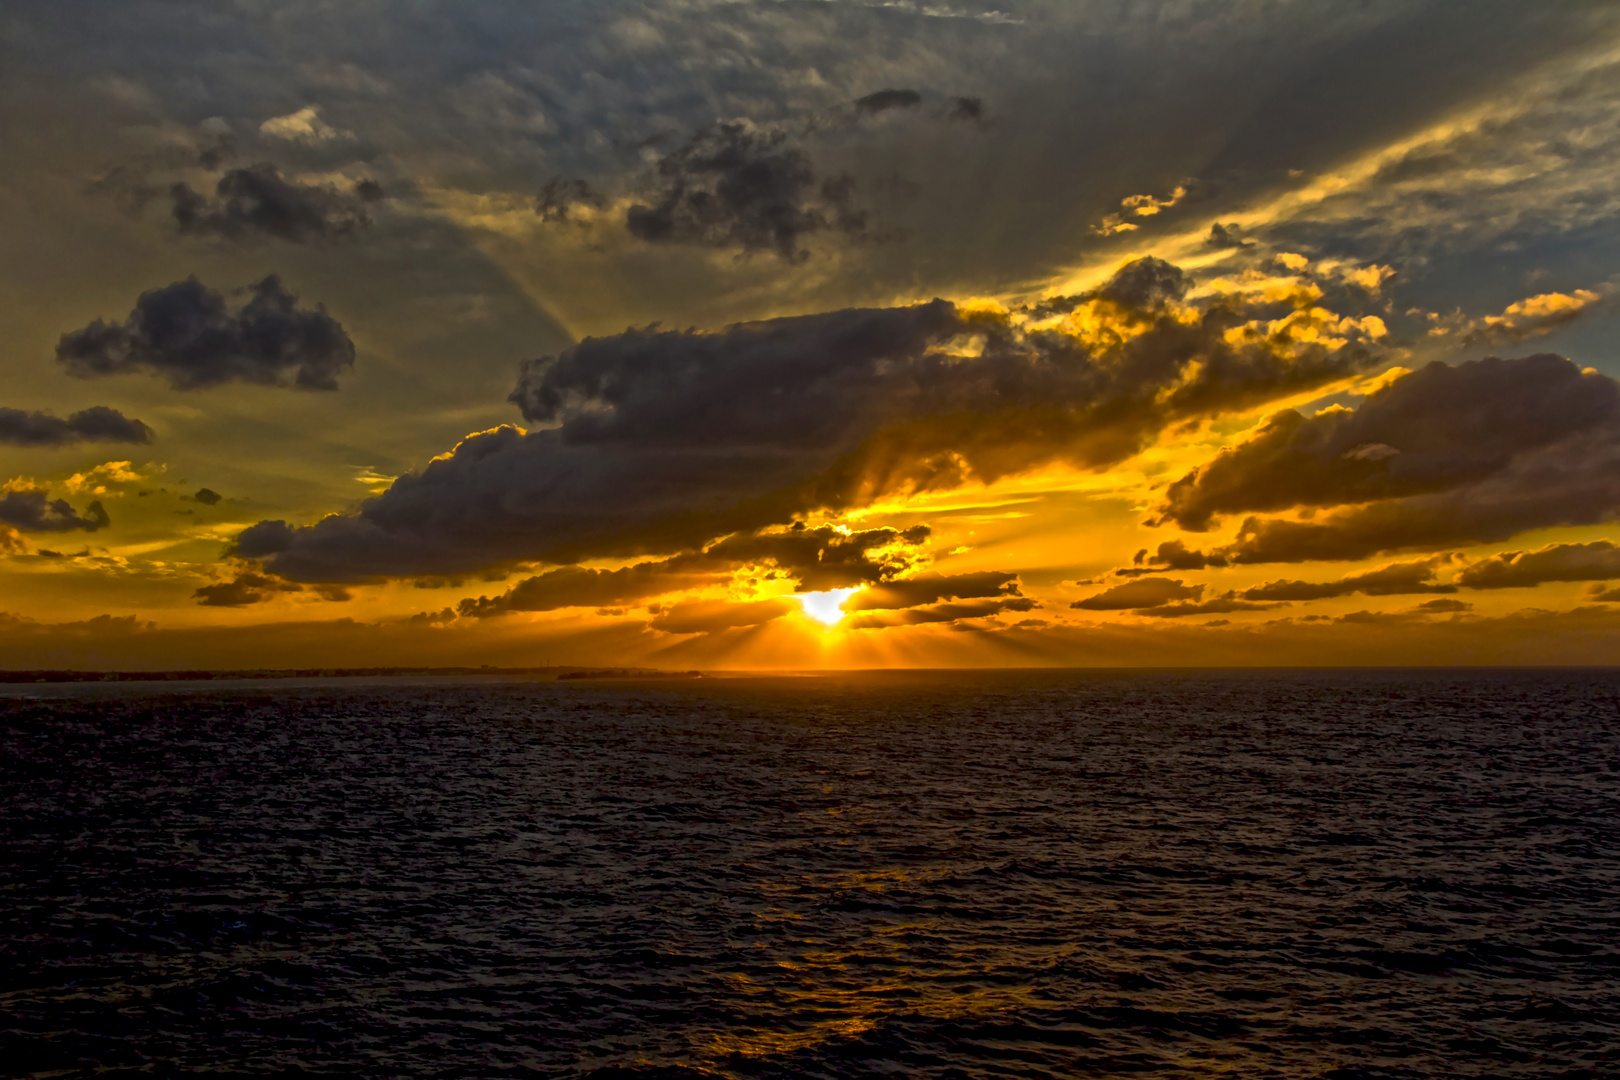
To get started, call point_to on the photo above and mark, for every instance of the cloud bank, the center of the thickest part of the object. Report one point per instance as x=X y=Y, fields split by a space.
x=662 y=440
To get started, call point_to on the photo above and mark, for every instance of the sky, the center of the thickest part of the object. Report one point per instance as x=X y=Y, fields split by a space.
x=767 y=334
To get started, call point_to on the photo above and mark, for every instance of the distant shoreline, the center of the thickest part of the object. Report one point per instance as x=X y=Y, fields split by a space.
x=560 y=673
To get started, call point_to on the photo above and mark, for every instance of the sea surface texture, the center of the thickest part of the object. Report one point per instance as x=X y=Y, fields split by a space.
x=1373 y=874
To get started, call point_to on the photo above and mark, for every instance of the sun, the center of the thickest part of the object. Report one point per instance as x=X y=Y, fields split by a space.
x=827 y=607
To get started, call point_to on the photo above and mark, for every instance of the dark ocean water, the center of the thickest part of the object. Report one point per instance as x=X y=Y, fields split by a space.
x=934 y=875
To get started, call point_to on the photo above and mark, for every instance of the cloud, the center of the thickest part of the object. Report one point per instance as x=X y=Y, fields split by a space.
x=96 y=478
x=95 y=424
x=1142 y=593
x=246 y=588
x=1434 y=429
x=884 y=100
x=1394 y=580
x=939 y=613
x=1596 y=561
x=1221 y=605
x=932 y=587
x=32 y=510
x=1172 y=555
x=188 y=333
x=257 y=202
x=560 y=199
x=655 y=441
x=1442 y=607
x=1226 y=237
x=577 y=586
x=712 y=616
x=305 y=125
x=1440 y=457
x=1530 y=317
x=737 y=185
x=816 y=559
x=207 y=496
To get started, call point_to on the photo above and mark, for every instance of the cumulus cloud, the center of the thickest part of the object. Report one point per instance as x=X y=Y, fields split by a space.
x=95 y=424
x=191 y=335
x=1431 y=430
x=1442 y=607
x=258 y=201
x=33 y=510
x=1531 y=317
x=1172 y=555
x=1441 y=457
x=654 y=441
x=304 y=125
x=737 y=185
x=207 y=496
x=1596 y=561
x=1394 y=580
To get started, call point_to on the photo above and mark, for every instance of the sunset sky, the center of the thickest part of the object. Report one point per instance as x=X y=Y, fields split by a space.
x=790 y=335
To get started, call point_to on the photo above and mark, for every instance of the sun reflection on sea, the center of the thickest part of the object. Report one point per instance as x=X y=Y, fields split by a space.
x=830 y=990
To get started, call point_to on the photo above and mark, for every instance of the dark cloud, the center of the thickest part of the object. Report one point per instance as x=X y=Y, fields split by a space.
x=712 y=616
x=1143 y=593
x=824 y=558
x=1172 y=555
x=1596 y=561
x=939 y=613
x=576 y=586
x=95 y=424
x=33 y=510
x=884 y=100
x=1225 y=237
x=207 y=496
x=257 y=201
x=1394 y=580
x=189 y=334
x=1600 y=595
x=966 y=108
x=558 y=199
x=655 y=441
x=1436 y=429
x=1440 y=607
x=1442 y=457
x=735 y=185
x=815 y=559
x=1221 y=605
x=246 y=588
x=931 y=587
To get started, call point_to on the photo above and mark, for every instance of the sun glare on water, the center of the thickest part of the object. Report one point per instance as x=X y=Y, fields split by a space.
x=825 y=607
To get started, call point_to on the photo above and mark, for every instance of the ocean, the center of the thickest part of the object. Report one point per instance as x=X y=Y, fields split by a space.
x=918 y=874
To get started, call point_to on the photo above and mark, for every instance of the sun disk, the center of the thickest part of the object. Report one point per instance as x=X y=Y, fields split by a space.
x=825 y=607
